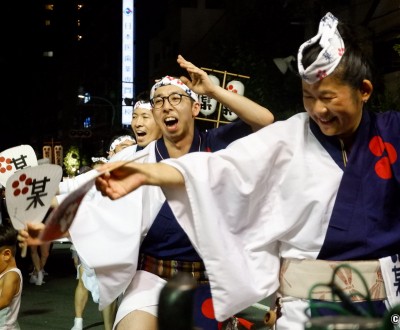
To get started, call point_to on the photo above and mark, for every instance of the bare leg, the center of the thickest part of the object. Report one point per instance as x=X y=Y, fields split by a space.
x=37 y=274
x=44 y=254
x=35 y=259
x=81 y=296
x=138 y=320
x=109 y=315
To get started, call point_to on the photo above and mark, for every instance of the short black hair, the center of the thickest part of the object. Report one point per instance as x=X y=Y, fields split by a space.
x=8 y=238
x=143 y=96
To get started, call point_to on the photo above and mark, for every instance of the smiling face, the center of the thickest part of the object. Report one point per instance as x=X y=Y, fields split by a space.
x=144 y=127
x=334 y=106
x=177 y=121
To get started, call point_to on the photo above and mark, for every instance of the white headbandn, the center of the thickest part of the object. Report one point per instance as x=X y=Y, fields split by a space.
x=168 y=80
x=332 y=51
x=142 y=105
x=120 y=139
x=99 y=159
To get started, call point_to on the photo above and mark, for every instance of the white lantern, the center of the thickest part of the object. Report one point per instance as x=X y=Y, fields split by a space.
x=234 y=86
x=208 y=104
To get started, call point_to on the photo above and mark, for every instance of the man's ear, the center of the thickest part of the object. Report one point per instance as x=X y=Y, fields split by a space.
x=195 y=109
x=366 y=90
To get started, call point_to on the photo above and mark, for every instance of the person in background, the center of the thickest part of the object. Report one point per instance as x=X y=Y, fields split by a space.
x=119 y=142
x=145 y=130
x=143 y=124
x=39 y=256
x=87 y=281
x=278 y=210
x=122 y=146
x=11 y=281
x=4 y=216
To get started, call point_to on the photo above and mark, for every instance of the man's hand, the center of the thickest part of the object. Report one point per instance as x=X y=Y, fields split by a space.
x=121 y=180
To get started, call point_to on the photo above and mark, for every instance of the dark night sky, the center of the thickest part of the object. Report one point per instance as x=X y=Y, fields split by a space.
x=33 y=93
x=38 y=98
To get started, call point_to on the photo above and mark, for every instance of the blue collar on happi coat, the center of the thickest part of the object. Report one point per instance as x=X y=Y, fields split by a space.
x=365 y=222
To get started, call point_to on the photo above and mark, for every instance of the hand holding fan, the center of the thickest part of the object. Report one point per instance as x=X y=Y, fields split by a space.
x=29 y=193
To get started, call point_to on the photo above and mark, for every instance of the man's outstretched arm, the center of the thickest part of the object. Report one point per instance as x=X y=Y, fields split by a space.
x=130 y=176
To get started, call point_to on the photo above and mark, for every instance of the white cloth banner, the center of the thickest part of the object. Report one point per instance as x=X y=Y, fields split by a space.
x=390 y=267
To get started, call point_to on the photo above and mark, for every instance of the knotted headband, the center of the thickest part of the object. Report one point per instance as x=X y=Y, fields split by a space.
x=332 y=51
x=142 y=105
x=168 y=80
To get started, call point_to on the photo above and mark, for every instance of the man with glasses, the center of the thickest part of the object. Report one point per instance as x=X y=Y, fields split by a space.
x=166 y=249
x=173 y=99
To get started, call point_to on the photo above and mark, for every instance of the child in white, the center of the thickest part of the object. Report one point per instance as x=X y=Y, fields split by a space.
x=10 y=280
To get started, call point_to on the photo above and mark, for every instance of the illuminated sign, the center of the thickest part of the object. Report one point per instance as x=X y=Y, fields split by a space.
x=128 y=59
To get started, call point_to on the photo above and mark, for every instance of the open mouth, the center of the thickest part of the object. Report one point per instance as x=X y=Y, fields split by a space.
x=141 y=133
x=326 y=120
x=170 y=121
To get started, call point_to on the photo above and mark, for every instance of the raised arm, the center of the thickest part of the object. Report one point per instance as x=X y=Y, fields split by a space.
x=124 y=179
x=250 y=112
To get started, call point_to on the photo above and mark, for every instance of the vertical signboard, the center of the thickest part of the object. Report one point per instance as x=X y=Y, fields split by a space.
x=128 y=60
x=47 y=153
x=58 y=155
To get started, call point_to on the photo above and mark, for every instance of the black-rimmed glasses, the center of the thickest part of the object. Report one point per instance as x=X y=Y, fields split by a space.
x=173 y=99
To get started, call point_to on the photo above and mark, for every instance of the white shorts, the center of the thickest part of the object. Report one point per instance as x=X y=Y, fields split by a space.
x=89 y=280
x=142 y=294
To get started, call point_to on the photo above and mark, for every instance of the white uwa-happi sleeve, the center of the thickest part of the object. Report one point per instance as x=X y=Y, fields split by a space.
x=107 y=235
x=224 y=210
x=240 y=205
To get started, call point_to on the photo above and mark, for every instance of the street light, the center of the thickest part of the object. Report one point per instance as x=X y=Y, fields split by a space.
x=87 y=97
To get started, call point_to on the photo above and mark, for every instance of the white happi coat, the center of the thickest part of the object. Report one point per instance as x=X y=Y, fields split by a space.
x=268 y=195
x=107 y=234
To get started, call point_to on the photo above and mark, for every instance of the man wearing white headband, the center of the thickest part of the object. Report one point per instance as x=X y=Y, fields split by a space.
x=277 y=211
x=122 y=147
x=143 y=124
x=120 y=143
x=168 y=80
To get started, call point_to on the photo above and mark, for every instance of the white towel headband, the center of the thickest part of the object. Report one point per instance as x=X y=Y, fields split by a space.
x=168 y=80
x=332 y=51
x=142 y=105
x=120 y=139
